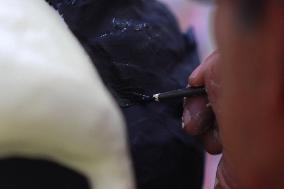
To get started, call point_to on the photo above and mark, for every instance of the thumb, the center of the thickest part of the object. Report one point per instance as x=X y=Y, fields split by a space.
x=224 y=177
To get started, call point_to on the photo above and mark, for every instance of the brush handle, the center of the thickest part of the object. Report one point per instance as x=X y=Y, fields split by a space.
x=181 y=93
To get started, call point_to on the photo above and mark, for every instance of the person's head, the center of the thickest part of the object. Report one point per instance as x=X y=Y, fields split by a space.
x=249 y=36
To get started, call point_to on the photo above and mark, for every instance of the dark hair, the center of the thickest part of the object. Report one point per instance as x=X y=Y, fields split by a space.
x=250 y=12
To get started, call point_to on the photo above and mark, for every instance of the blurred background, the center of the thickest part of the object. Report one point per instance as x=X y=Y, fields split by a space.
x=198 y=16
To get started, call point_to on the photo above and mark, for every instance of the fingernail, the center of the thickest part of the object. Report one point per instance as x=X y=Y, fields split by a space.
x=186 y=117
x=193 y=76
x=182 y=125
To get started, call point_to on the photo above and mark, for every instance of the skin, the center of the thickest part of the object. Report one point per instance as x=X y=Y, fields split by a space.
x=245 y=85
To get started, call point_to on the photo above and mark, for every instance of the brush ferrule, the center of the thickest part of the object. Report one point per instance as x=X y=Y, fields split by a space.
x=156 y=97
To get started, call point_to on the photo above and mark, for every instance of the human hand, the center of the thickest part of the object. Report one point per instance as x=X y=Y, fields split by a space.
x=201 y=114
x=245 y=90
x=198 y=117
x=238 y=135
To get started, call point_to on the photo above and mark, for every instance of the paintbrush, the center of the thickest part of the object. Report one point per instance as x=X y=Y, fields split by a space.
x=180 y=93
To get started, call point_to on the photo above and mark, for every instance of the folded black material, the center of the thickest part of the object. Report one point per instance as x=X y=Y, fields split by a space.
x=137 y=47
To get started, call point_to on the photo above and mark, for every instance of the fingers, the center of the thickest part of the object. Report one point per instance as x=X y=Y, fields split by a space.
x=197 y=78
x=198 y=117
x=224 y=177
x=211 y=141
x=199 y=120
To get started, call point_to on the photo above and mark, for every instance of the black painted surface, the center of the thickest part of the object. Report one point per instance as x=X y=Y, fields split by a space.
x=22 y=173
x=137 y=48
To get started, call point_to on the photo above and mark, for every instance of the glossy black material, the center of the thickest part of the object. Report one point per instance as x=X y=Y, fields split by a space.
x=23 y=173
x=138 y=49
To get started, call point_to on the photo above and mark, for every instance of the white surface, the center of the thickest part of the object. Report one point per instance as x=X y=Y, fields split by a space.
x=52 y=102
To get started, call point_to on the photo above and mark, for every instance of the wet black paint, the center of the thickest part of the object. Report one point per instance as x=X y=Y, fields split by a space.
x=139 y=50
